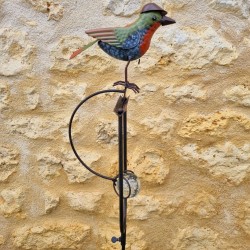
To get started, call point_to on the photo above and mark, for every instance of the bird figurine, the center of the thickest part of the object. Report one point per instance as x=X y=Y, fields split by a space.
x=130 y=42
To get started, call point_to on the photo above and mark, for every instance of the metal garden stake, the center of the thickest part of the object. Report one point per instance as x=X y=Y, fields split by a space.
x=124 y=43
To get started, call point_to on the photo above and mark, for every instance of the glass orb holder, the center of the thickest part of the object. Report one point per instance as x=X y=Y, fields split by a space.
x=131 y=185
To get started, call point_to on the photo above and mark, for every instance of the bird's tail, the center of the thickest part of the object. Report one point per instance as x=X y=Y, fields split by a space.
x=82 y=49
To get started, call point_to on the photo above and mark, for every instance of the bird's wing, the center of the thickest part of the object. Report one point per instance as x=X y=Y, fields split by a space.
x=118 y=37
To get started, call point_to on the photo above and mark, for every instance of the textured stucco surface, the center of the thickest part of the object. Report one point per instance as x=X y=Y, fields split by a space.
x=189 y=128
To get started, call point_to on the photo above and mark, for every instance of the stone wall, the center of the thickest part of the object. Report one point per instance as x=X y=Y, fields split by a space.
x=189 y=128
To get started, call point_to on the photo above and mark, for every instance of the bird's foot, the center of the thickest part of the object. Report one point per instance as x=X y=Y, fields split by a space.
x=128 y=85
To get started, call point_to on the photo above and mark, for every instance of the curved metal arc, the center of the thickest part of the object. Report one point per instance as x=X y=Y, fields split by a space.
x=70 y=129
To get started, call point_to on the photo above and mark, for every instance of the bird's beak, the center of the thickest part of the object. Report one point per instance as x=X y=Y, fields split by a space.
x=166 y=21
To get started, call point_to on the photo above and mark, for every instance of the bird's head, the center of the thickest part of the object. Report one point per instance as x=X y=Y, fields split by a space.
x=156 y=14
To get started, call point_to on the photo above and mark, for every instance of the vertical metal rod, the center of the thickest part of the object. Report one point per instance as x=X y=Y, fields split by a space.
x=124 y=121
x=120 y=110
x=121 y=162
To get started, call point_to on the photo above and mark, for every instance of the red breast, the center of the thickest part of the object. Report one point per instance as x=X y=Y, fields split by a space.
x=147 y=38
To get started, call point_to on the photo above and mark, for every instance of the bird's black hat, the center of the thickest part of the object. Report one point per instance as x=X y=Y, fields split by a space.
x=153 y=7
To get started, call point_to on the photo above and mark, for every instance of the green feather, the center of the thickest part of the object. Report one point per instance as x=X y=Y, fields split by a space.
x=89 y=45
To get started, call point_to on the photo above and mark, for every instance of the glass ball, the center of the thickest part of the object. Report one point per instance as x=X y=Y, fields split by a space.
x=131 y=185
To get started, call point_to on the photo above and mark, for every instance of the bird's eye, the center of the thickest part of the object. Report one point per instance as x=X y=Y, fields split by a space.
x=154 y=18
